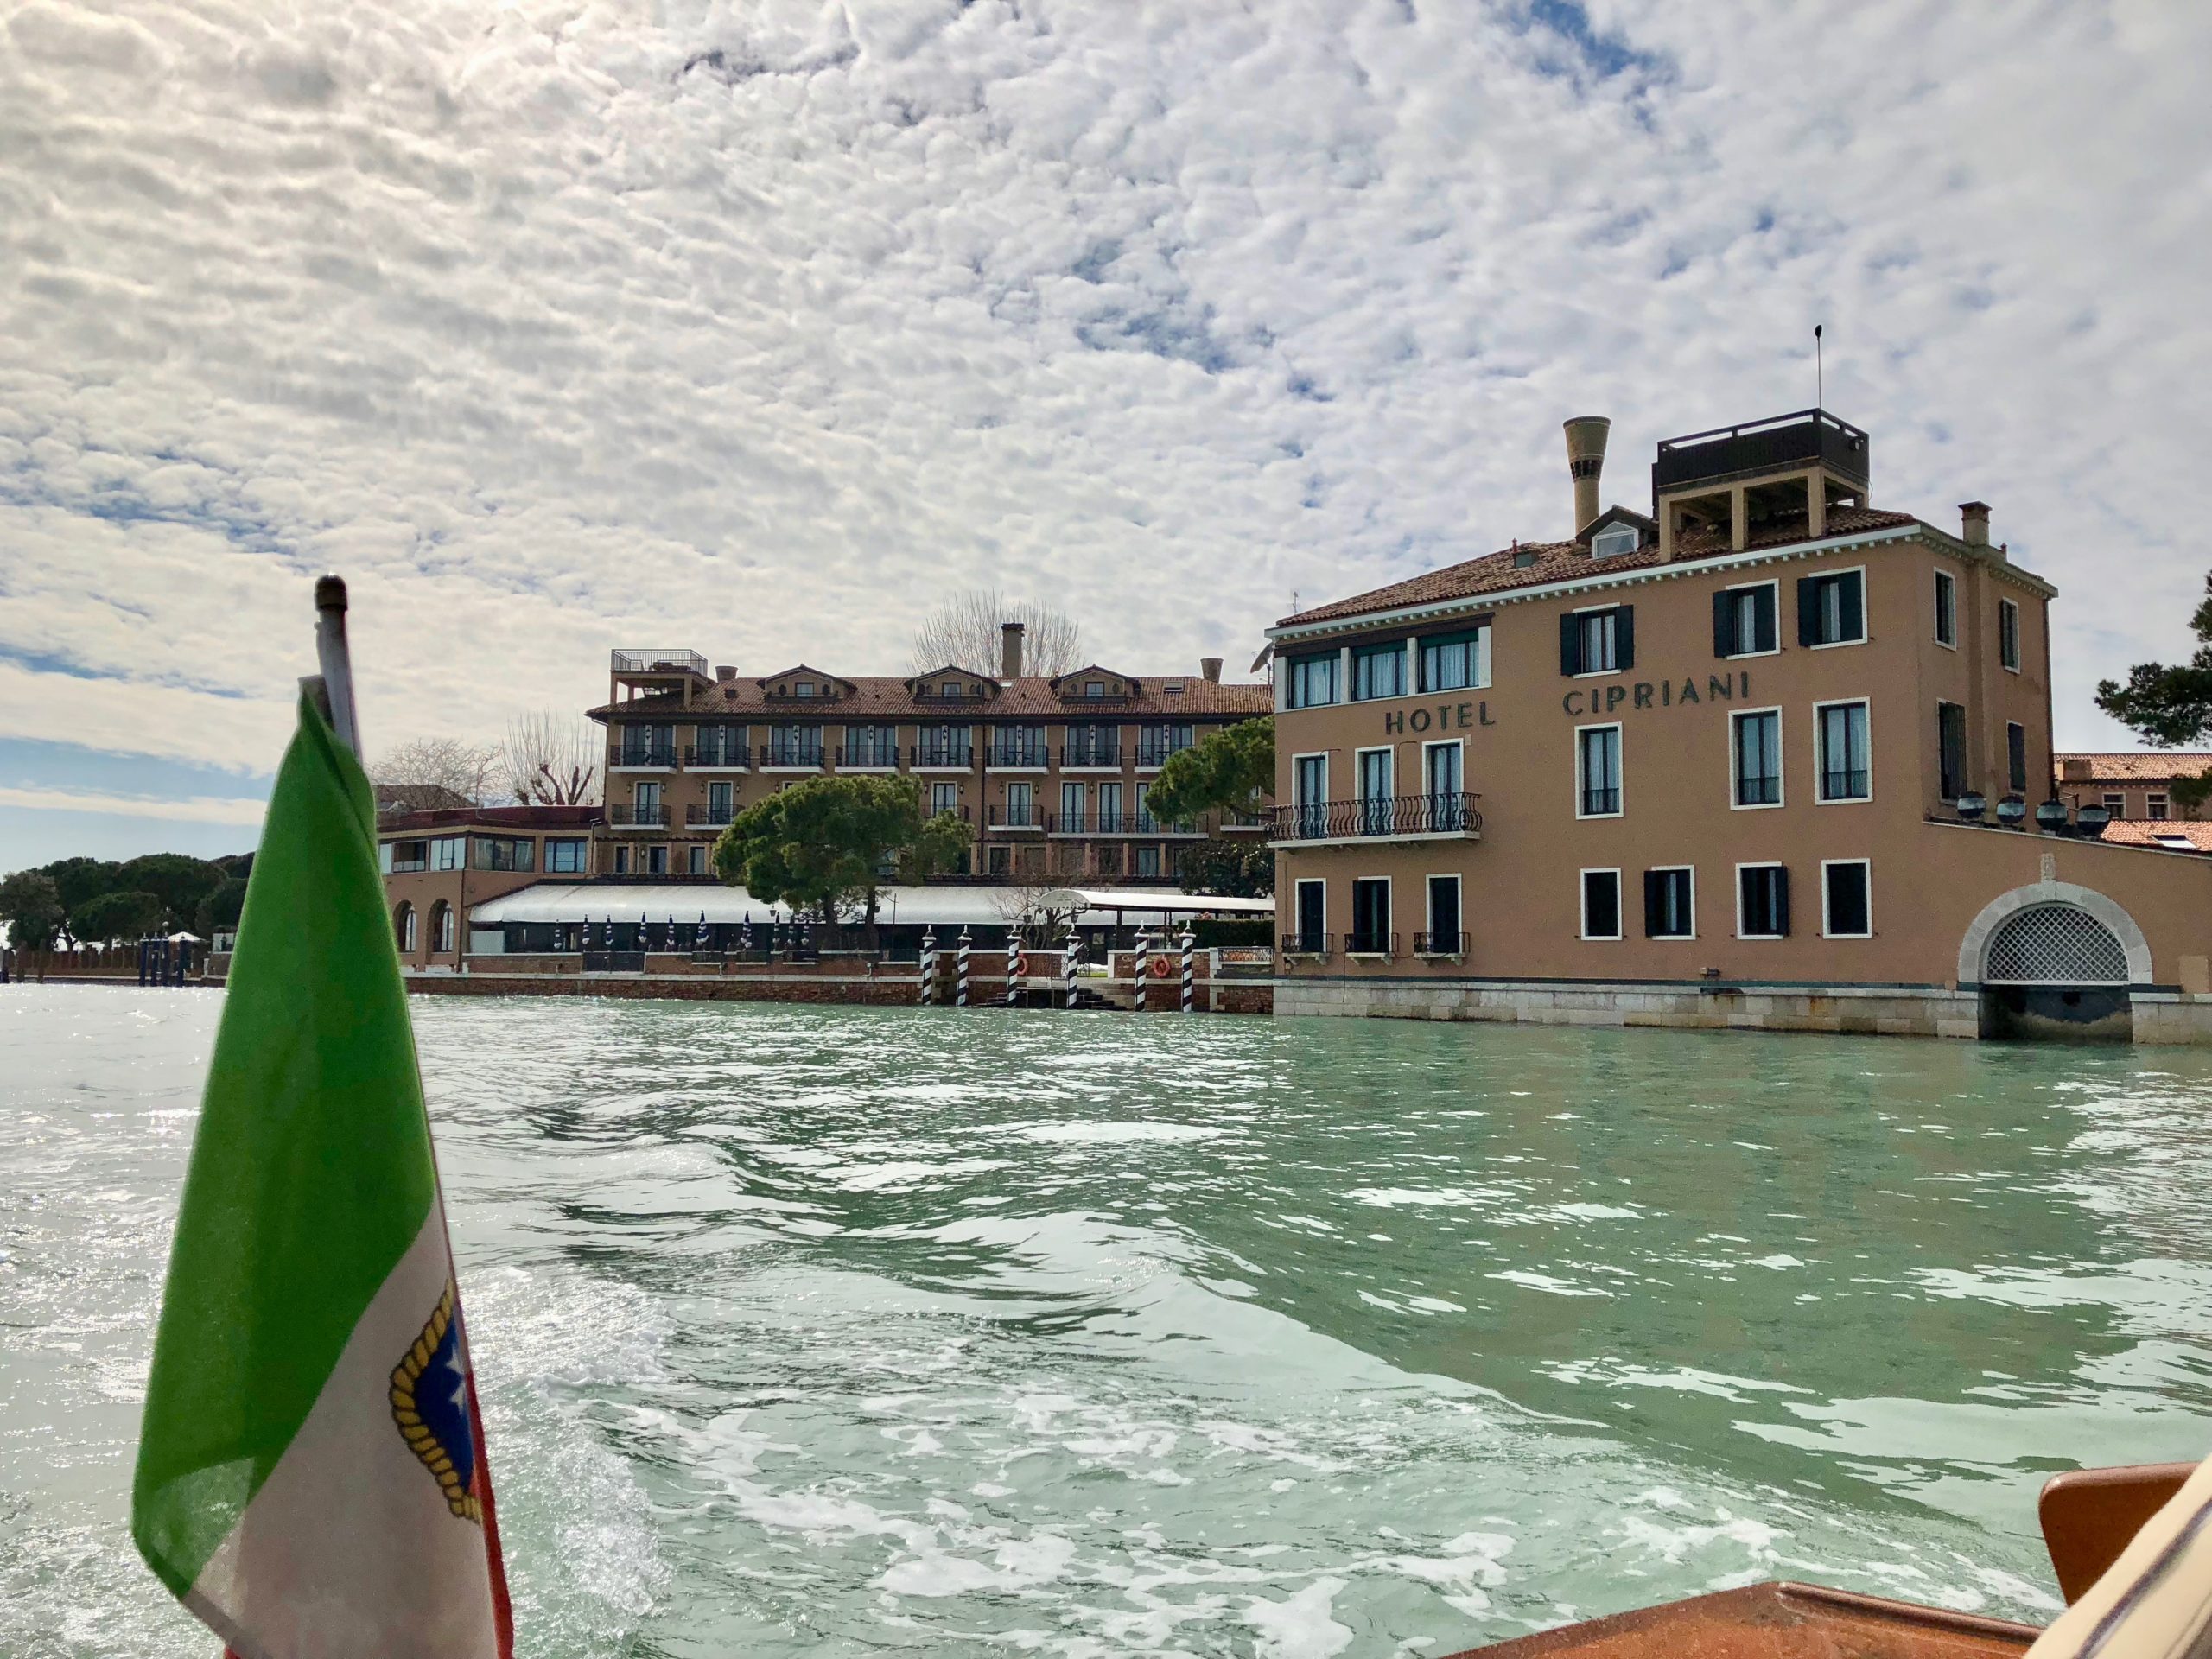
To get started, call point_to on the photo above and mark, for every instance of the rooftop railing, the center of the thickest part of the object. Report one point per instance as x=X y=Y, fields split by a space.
x=658 y=659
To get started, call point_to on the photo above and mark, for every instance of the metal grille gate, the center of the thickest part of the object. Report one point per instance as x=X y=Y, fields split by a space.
x=2055 y=944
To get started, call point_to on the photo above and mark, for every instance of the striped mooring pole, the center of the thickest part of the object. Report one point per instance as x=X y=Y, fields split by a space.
x=1067 y=963
x=1188 y=983
x=1144 y=968
x=928 y=991
x=960 y=982
x=1017 y=970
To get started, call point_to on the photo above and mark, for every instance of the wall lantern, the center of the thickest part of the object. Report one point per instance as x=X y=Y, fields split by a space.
x=2050 y=817
x=1972 y=806
x=2092 y=818
x=2012 y=811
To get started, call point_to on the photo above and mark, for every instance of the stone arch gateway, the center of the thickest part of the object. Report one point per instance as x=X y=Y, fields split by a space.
x=2055 y=960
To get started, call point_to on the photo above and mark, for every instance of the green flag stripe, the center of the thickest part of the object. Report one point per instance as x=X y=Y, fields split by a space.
x=310 y=1173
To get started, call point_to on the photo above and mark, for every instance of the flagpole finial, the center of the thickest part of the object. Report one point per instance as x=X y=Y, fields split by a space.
x=330 y=593
x=335 y=659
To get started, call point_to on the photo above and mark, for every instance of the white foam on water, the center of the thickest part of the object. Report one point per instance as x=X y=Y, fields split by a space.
x=1299 y=1626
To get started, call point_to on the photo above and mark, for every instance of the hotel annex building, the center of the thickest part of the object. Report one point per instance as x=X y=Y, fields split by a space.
x=1764 y=755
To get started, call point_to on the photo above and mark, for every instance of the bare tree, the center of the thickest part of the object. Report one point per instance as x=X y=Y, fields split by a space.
x=1040 y=899
x=440 y=763
x=964 y=631
x=552 y=759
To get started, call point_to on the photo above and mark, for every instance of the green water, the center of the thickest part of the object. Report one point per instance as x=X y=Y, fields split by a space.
x=843 y=1331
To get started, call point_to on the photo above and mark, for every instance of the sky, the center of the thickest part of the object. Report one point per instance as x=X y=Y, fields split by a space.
x=563 y=325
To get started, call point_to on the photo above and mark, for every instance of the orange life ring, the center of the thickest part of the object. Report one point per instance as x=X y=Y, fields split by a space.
x=1162 y=968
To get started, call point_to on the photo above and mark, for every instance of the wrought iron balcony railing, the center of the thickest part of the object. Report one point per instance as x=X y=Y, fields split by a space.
x=1091 y=755
x=1370 y=944
x=737 y=755
x=1440 y=944
x=709 y=816
x=648 y=755
x=962 y=755
x=625 y=816
x=1451 y=813
x=791 y=755
x=1014 y=818
x=1308 y=945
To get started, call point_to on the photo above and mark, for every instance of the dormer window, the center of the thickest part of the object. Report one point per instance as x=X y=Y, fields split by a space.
x=1093 y=687
x=950 y=688
x=1173 y=688
x=1522 y=559
x=1613 y=541
x=803 y=689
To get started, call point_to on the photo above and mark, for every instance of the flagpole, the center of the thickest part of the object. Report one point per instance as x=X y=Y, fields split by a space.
x=335 y=660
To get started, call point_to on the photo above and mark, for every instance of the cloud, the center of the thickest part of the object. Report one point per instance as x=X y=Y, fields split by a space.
x=199 y=809
x=560 y=327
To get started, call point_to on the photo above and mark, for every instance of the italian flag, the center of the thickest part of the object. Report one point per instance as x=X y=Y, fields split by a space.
x=311 y=1476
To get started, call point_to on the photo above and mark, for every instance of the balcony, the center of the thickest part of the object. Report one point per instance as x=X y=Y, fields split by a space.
x=1017 y=757
x=709 y=816
x=1787 y=441
x=1013 y=817
x=1119 y=823
x=869 y=757
x=622 y=816
x=790 y=757
x=942 y=757
x=647 y=757
x=1317 y=945
x=1153 y=756
x=655 y=659
x=1440 y=944
x=1449 y=817
x=1370 y=944
x=721 y=757
x=1241 y=824
x=1104 y=757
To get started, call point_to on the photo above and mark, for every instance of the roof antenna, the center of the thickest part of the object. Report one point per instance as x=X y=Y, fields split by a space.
x=1819 y=376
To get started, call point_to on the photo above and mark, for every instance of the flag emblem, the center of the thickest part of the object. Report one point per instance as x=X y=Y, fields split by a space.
x=429 y=1402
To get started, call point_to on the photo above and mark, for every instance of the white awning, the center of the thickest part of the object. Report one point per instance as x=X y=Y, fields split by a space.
x=937 y=907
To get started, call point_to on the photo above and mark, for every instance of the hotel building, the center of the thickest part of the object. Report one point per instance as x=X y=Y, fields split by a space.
x=1764 y=755
x=1050 y=773
x=2139 y=786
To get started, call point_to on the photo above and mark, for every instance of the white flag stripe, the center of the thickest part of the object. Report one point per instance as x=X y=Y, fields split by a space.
x=350 y=1550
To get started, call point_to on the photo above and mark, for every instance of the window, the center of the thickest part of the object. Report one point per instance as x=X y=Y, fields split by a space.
x=1755 y=749
x=503 y=852
x=1843 y=765
x=1761 y=902
x=1018 y=745
x=1597 y=771
x=1093 y=746
x=1946 y=609
x=1613 y=541
x=656 y=859
x=1110 y=821
x=2008 y=634
x=1601 y=904
x=2016 y=753
x=1072 y=807
x=950 y=688
x=1312 y=914
x=1456 y=662
x=622 y=860
x=1447 y=802
x=2155 y=805
x=1445 y=937
x=1093 y=687
x=566 y=855
x=803 y=688
x=999 y=860
x=794 y=746
x=403 y=928
x=1598 y=642
x=1378 y=671
x=1156 y=743
x=720 y=745
x=1670 y=904
x=943 y=797
x=1021 y=806
x=698 y=859
x=1832 y=610
x=1309 y=794
x=1147 y=861
x=1314 y=680
x=1844 y=911
x=449 y=852
x=1951 y=750
x=400 y=857
x=2116 y=804
x=871 y=746
x=648 y=745
x=1377 y=772
x=1743 y=620
x=1370 y=916
x=442 y=928
x=1145 y=826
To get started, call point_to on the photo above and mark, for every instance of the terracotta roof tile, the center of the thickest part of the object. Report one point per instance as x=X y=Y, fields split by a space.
x=2177 y=834
x=2152 y=766
x=1497 y=573
x=882 y=696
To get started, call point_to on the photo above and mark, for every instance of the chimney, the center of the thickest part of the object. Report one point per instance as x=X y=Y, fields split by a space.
x=1973 y=516
x=1010 y=637
x=725 y=675
x=1585 y=459
x=1210 y=669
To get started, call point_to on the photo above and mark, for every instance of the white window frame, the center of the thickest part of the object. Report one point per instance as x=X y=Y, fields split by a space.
x=1390 y=912
x=1428 y=906
x=1761 y=864
x=408 y=933
x=2114 y=802
x=1865 y=612
x=1481 y=648
x=1582 y=904
x=1295 y=662
x=2008 y=609
x=1586 y=610
x=1621 y=748
x=1782 y=752
x=1820 y=798
x=1775 y=585
x=1409 y=672
x=1296 y=909
x=1865 y=864
x=1613 y=533
x=1945 y=580
x=1678 y=938
x=1359 y=771
x=1458 y=743
x=2157 y=806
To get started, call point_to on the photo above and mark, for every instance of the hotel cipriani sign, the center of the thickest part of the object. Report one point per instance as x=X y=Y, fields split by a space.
x=1580 y=703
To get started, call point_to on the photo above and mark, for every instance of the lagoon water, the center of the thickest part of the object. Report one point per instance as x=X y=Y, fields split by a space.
x=840 y=1331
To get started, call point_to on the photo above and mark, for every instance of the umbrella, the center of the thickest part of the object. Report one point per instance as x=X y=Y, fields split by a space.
x=704 y=938
x=744 y=933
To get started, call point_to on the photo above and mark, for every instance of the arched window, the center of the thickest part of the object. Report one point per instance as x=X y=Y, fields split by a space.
x=403 y=927
x=2055 y=944
x=441 y=926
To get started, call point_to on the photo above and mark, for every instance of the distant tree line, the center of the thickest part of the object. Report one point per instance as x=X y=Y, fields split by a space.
x=105 y=901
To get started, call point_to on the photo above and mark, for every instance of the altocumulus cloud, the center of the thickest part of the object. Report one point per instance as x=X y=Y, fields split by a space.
x=560 y=325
